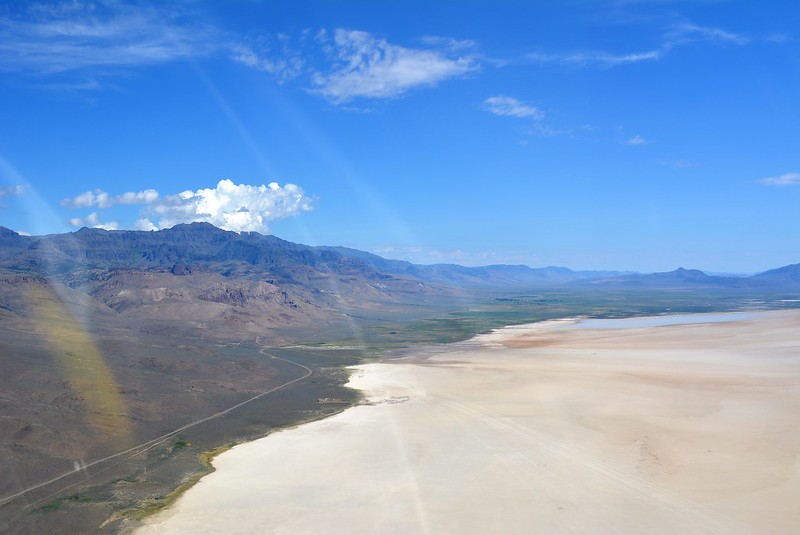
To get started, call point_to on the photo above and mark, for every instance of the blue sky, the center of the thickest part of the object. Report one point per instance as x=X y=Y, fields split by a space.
x=641 y=135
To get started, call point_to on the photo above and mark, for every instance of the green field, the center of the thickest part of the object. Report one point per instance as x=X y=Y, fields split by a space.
x=456 y=321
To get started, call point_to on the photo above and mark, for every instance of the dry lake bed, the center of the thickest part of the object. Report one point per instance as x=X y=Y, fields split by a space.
x=653 y=425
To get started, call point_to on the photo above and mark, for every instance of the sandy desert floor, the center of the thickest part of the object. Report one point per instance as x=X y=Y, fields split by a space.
x=558 y=427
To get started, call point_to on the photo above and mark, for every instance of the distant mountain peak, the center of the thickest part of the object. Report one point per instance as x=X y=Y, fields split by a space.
x=88 y=230
x=683 y=272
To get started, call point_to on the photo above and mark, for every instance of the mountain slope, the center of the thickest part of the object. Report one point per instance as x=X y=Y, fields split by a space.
x=786 y=275
x=202 y=277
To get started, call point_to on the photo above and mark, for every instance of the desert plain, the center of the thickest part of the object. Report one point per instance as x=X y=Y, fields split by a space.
x=612 y=426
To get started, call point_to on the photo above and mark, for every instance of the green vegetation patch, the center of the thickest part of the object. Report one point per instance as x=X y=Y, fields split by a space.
x=56 y=504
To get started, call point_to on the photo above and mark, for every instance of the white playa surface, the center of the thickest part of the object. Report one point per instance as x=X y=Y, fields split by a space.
x=547 y=428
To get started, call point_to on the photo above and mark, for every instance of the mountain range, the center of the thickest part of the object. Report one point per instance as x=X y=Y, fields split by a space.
x=248 y=282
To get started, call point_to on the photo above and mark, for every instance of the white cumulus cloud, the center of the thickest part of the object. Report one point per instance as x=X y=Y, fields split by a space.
x=237 y=207
x=144 y=224
x=511 y=107
x=788 y=179
x=366 y=66
x=230 y=206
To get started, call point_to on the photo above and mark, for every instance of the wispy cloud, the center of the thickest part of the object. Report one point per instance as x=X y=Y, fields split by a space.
x=688 y=32
x=677 y=164
x=778 y=38
x=636 y=140
x=419 y=254
x=349 y=65
x=511 y=107
x=91 y=40
x=275 y=56
x=676 y=36
x=101 y=199
x=505 y=106
x=788 y=179
x=599 y=58
x=65 y=37
x=448 y=43
x=238 y=207
x=431 y=254
x=366 y=66
x=11 y=191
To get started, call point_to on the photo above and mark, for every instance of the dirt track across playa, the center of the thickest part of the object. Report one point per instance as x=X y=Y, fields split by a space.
x=545 y=428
